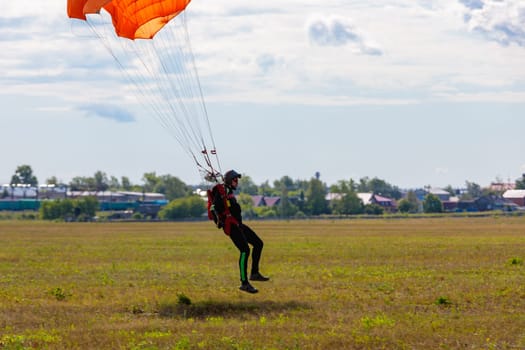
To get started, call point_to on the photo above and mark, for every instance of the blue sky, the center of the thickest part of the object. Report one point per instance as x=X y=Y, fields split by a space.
x=414 y=92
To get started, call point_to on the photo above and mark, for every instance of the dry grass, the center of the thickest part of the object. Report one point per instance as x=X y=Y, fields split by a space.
x=447 y=283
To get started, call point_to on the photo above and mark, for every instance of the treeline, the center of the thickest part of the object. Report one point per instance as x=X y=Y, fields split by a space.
x=297 y=198
x=171 y=186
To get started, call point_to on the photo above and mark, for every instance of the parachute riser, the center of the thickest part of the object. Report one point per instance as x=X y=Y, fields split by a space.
x=210 y=173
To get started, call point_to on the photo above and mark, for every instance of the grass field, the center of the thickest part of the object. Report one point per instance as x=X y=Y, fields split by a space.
x=444 y=283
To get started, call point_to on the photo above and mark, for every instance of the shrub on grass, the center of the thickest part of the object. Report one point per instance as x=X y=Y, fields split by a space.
x=59 y=293
x=443 y=301
x=69 y=209
x=187 y=207
x=182 y=299
x=516 y=261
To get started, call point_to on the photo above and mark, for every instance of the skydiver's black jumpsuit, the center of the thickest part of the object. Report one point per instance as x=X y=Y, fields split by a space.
x=241 y=235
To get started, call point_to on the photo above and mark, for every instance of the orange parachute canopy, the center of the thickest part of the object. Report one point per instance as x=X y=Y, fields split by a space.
x=132 y=19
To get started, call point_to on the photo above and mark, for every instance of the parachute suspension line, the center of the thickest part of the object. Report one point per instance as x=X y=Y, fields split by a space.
x=178 y=91
x=142 y=52
x=203 y=104
x=181 y=91
x=192 y=115
x=151 y=60
x=164 y=74
x=106 y=42
x=186 y=118
x=171 y=114
x=137 y=80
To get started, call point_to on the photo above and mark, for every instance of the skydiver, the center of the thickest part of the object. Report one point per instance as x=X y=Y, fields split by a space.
x=228 y=213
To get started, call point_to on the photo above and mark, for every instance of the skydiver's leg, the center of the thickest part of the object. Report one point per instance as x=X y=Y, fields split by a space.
x=257 y=243
x=240 y=242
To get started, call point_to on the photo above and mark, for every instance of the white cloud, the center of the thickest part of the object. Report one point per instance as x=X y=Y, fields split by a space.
x=394 y=51
x=472 y=4
x=336 y=31
x=107 y=111
x=425 y=47
x=501 y=21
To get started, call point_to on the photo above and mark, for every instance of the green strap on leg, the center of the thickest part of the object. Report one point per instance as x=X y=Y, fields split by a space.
x=242 y=266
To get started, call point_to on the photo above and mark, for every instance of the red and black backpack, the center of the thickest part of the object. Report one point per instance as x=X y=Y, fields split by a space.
x=217 y=191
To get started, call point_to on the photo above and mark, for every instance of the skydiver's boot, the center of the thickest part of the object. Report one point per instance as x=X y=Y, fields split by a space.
x=248 y=288
x=258 y=277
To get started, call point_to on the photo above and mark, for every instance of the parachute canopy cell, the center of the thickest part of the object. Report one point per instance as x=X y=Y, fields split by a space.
x=132 y=19
x=80 y=8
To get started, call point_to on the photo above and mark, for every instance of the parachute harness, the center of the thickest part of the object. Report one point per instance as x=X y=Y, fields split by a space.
x=223 y=218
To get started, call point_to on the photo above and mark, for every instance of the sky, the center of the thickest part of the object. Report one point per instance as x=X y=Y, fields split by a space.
x=414 y=92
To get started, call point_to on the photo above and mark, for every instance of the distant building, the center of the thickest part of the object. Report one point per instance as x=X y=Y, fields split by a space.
x=516 y=196
x=52 y=191
x=333 y=196
x=370 y=198
x=119 y=196
x=143 y=196
x=438 y=192
x=18 y=191
x=486 y=203
x=441 y=194
x=366 y=198
x=451 y=204
x=265 y=201
x=502 y=186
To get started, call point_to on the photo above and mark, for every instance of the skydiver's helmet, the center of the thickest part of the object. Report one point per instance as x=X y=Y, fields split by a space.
x=230 y=175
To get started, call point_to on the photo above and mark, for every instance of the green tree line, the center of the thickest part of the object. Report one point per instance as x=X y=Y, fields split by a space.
x=297 y=197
